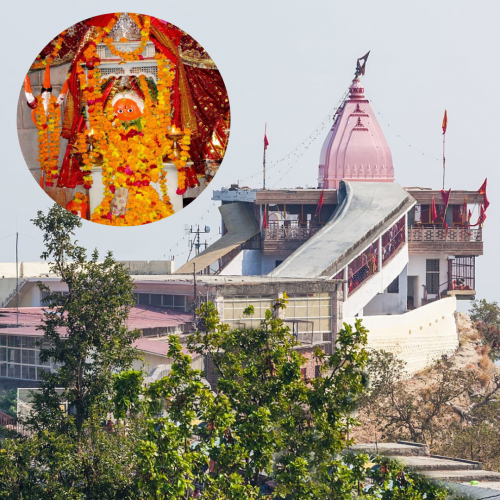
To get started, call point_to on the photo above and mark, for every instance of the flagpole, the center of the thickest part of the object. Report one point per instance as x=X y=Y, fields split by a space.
x=444 y=157
x=264 y=161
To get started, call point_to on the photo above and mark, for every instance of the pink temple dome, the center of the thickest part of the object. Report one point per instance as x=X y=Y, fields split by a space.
x=355 y=148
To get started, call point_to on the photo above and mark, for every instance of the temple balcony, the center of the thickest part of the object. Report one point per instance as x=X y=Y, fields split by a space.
x=286 y=236
x=462 y=278
x=459 y=240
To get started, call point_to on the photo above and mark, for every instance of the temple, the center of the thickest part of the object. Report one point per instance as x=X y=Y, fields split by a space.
x=360 y=246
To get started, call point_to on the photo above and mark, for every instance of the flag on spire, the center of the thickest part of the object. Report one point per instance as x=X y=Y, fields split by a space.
x=445 y=121
x=266 y=142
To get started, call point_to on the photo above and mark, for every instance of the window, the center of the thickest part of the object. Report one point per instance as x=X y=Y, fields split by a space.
x=422 y=214
x=144 y=299
x=155 y=299
x=179 y=302
x=432 y=276
x=394 y=286
x=168 y=300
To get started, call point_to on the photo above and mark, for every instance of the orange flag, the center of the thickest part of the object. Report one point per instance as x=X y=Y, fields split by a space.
x=445 y=121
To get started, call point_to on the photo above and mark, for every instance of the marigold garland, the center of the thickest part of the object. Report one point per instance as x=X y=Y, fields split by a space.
x=49 y=136
x=132 y=154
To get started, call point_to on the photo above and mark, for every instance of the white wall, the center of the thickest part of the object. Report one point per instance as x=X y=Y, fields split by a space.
x=389 y=303
x=418 y=337
x=417 y=267
x=251 y=263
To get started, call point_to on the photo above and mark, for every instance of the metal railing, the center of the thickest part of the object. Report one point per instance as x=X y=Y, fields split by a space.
x=279 y=231
x=362 y=274
x=440 y=233
x=7 y=420
x=393 y=245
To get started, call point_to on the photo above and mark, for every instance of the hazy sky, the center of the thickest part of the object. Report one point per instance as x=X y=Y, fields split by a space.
x=288 y=63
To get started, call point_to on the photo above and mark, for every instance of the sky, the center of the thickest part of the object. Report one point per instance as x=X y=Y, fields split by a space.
x=287 y=64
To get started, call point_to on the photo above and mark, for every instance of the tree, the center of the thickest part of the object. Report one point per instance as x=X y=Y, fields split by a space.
x=485 y=312
x=407 y=411
x=85 y=332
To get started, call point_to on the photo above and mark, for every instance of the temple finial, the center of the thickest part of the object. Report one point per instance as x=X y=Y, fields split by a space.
x=360 y=67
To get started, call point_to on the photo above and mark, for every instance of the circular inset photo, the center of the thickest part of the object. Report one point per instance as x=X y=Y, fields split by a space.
x=123 y=119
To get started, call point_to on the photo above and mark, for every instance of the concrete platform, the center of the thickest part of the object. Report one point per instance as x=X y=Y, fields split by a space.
x=483 y=491
x=440 y=464
x=401 y=448
x=462 y=476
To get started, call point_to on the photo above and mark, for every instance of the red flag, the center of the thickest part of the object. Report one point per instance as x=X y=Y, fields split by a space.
x=266 y=142
x=433 y=210
x=446 y=196
x=482 y=216
x=445 y=121
x=482 y=190
x=320 y=202
x=469 y=216
x=464 y=211
x=264 y=221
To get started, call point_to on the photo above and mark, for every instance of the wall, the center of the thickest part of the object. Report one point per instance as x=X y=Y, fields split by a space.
x=148 y=267
x=418 y=337
x=417 y=267
x=7 y=288
x=389 y=303
x=376 y=284
x=251 y=263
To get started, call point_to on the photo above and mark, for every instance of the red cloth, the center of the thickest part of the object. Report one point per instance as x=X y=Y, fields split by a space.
x=482 y=190
x=101 y=21
x=264 y=221
x=212 y=114
x=266 y=142
x=445 y=122
x=433 y=210
x=446 y=196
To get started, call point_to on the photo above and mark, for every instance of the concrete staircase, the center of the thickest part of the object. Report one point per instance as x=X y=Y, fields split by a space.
x=453 y=472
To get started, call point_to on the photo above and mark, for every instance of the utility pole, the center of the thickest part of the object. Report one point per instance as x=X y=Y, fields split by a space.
x=196 y=243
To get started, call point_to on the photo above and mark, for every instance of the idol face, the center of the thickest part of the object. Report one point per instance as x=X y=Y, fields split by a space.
x=127 y=110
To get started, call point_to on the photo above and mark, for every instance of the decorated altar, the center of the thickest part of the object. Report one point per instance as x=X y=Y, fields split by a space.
x=145 y=114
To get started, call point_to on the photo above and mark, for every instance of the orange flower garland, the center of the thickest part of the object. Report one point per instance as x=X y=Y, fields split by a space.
x=53 y=55
x=49 y=135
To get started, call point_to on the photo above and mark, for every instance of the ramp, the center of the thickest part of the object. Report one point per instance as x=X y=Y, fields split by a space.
x=241 y=226
x=366 y=210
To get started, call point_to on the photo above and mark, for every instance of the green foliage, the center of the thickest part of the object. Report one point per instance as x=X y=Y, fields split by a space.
x=86 y=333
x=177 y=435
x=486 y=312
x=8 y=402
x=54 y=465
